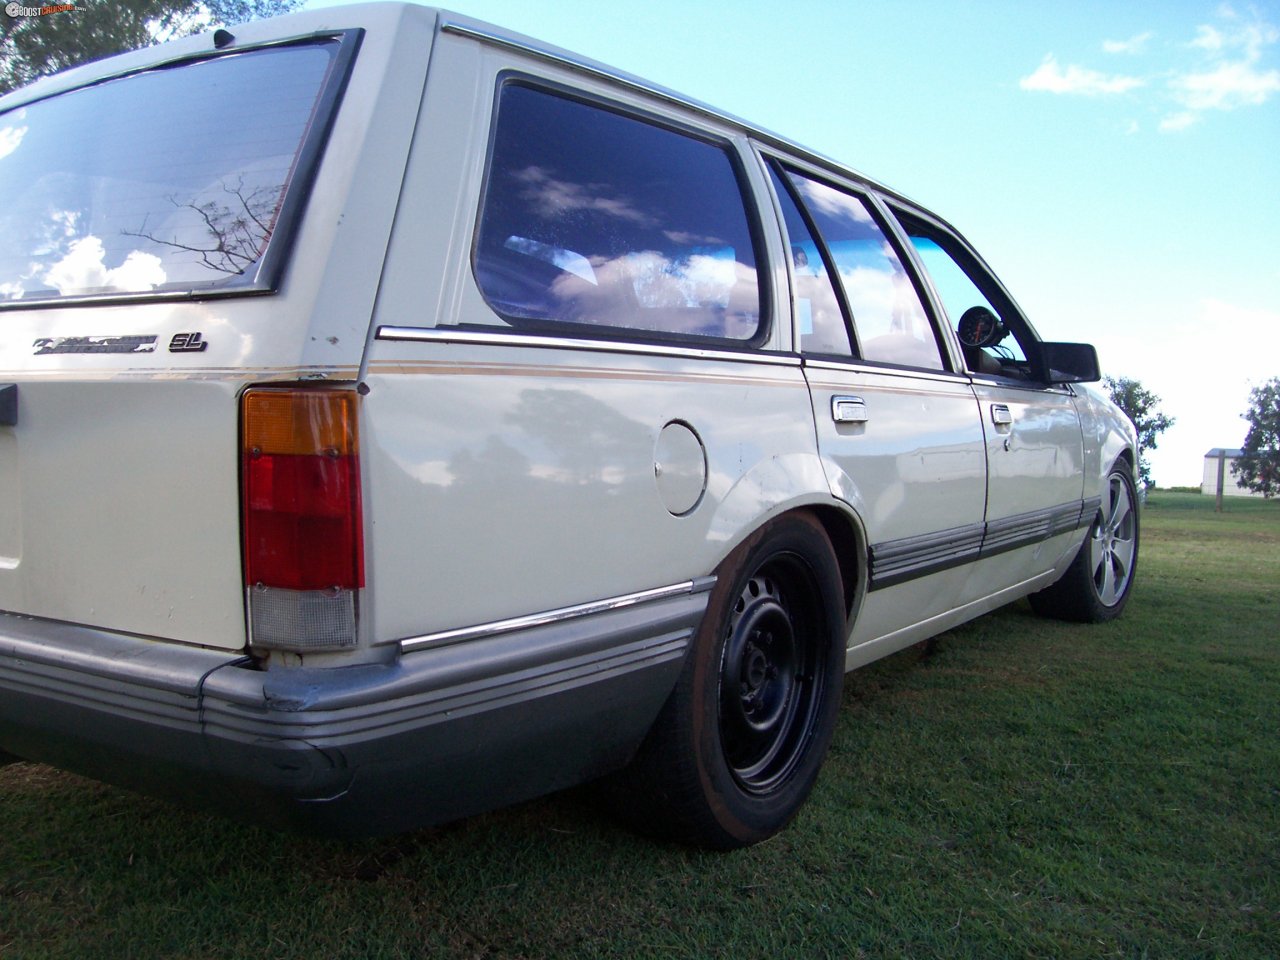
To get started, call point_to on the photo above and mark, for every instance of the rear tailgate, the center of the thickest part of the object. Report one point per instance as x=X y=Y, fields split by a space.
x=177 y=234
x=118 y=502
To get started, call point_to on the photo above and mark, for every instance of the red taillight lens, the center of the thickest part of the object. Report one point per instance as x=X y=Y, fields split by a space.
x=303 y=543
x=301 y=472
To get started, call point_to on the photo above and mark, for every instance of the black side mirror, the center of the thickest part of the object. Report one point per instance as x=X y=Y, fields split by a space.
x=1070 y=363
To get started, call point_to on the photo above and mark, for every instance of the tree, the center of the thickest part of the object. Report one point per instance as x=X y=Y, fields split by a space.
x=35 y=46
x=1139 y=404
x=1259 y=466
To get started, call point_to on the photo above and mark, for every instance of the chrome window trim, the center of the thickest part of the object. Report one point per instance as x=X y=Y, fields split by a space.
x=441 y=335
x=858 y=366
x=1027 y=386
x=252 y=289
x=558 y=615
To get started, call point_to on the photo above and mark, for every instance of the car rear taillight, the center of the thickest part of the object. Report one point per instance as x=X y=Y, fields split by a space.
x=303 y=543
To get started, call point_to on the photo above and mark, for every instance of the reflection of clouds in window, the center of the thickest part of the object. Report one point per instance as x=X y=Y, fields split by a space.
x=64 y=225
x=163 y=179
x=686 y=239
x=887 y=314
x=884 y=300
x=11 y=136
x=33 y=237
x=658 y=282
x=566 y=260
x=595 y=218
x=700 y=293
x=871 y=295
x=833 y=203
x=695 y=281
x=83 y=270
x=891 y=324
x=549 y=197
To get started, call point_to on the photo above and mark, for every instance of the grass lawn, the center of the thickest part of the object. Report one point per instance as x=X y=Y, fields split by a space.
x=1017 y=788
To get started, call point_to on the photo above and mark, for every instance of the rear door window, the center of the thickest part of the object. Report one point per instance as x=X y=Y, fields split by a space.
x=889 y=319
x=820 y=318
x=603 y=223
x=171 y=180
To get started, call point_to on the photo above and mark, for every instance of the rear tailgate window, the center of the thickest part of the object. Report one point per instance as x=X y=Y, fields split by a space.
x=178 y=181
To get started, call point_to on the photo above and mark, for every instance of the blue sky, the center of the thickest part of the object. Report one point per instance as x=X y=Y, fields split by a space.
x=1117 y=164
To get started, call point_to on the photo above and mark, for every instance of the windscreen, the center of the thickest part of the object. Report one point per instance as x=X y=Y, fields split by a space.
x=169 y=180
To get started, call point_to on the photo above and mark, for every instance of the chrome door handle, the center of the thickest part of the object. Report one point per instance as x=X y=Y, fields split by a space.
x=848 y=410
x=1000 y=415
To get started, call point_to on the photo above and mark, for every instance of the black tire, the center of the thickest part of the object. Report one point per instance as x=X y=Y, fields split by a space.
x=1097 y=585
x=737 y=747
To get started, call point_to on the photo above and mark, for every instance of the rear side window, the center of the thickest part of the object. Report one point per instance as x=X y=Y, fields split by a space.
x=172 y=180
x=604 y=224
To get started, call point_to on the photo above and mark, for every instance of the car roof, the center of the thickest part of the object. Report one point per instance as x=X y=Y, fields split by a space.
x=383 y=15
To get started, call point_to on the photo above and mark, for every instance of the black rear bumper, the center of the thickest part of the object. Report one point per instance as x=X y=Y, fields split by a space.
x=376 y=748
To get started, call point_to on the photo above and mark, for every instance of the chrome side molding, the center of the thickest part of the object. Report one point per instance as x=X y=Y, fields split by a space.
x=558 y=615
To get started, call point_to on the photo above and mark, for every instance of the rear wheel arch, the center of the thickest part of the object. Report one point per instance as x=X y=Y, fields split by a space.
x=737 y=747
x=850 y=546
x=843 y=528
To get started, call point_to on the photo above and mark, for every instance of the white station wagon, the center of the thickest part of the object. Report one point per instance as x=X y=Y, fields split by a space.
x=401 y=418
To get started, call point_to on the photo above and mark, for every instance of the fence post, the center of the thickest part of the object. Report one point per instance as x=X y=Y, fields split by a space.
x=1222 y=473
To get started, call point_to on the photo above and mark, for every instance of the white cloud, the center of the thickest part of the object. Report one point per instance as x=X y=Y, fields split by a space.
x=1050 y=77
x=1179 y=121
x=1223 y=68
x=1249 y=38
x=1208 y=38
x=1232 y=75
x=1230 y=85
x=1132 y=45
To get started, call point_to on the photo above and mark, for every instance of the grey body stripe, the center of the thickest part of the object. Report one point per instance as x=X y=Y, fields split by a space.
x=896 y=561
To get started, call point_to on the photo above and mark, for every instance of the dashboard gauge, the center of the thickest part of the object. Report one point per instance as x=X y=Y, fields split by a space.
x=979 y=327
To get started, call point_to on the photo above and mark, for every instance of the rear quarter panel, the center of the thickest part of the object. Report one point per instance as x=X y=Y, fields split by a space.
x=503 y=481
x=507 y=479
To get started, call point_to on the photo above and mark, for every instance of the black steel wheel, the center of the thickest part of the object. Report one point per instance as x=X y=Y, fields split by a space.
x=739 y=743
x=770 y=678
